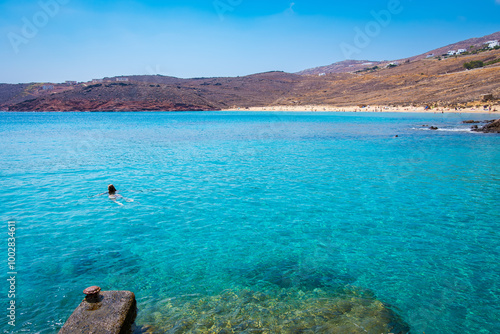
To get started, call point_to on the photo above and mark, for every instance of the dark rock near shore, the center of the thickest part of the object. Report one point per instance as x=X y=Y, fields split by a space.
x=112 y=312
x=491 y=127
x=471 y=122
x=433 y=128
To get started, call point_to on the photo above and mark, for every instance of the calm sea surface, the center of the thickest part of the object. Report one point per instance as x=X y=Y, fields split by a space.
x=233 y=200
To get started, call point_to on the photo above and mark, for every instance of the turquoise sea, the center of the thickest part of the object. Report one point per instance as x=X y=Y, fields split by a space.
x=271 y=203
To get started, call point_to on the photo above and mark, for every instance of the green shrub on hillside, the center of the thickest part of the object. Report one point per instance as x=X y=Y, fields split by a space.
x=491 y=62
x=473 y=64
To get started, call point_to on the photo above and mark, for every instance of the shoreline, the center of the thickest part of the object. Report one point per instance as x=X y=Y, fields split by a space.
x=494 y=109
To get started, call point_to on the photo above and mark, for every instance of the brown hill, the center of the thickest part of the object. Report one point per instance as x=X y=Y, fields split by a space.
x=116 y=97
x=475 y=43
x=426 y=81
x=163 y=93
x=347 y=66
x=419 y=82
x=14 y=93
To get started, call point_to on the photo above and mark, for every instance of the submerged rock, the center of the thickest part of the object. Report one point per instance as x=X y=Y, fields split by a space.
x=348 y=310
x=291 y=273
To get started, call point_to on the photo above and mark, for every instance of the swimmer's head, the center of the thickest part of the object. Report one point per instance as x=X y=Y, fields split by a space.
x=111 y=189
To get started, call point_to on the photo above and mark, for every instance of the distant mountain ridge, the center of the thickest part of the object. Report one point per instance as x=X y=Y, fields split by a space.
x=418 y=80
x=466 y=44
x=347 y=66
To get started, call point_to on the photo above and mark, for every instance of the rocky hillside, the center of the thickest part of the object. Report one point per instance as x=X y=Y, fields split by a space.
x=160 y=93
x=14 y=93
x=475 y=43
x=347 y=66
x=421 y=81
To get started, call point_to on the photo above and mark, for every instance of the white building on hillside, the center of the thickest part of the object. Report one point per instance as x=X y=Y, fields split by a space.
x=452 y=53
x=459 y=51
x=121 y=79
x=492 y=44
x=392 y=64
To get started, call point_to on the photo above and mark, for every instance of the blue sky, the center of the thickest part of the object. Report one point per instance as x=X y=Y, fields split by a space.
x=58 y=40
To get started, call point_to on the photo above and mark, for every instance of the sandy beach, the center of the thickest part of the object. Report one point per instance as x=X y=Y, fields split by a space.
x=493 y=109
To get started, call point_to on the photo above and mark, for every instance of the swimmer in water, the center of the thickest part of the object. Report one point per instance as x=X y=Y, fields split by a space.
x=112 y=191
x=114 y=196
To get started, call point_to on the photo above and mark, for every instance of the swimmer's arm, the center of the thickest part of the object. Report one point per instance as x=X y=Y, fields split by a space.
x=99 y=194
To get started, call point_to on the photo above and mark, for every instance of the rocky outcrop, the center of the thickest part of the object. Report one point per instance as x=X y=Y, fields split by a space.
x=108 y=312
x=492 y=127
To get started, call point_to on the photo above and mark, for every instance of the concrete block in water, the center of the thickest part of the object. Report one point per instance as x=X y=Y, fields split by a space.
x=110 y=312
